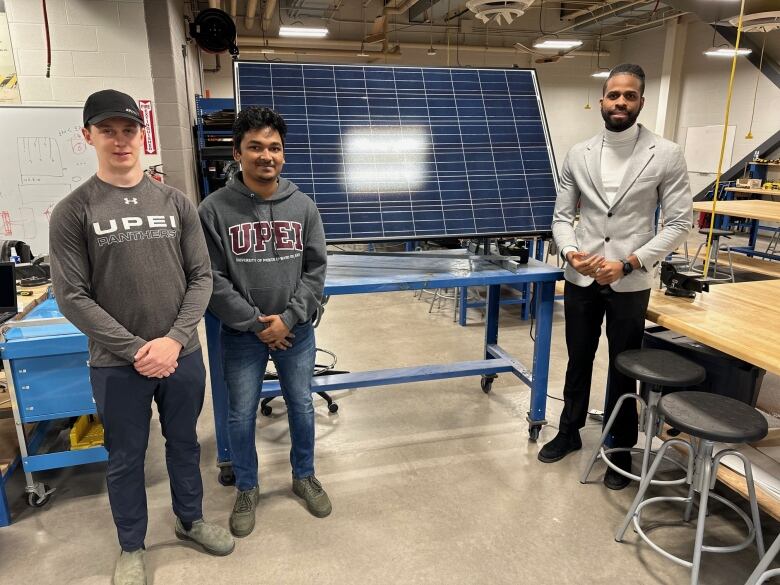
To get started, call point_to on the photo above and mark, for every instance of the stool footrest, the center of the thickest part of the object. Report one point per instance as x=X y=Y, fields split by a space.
x=748 y=540
x=604 y=452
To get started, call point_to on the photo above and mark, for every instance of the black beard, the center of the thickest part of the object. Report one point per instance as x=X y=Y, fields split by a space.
x=621 y=125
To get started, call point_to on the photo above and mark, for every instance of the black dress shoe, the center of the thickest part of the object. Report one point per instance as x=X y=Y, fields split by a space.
x=612 y=479
x=559 y=447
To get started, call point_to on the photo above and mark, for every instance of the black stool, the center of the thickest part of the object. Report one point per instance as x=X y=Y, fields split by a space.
x=655 y=369
x=706 y=418
x=713 y=267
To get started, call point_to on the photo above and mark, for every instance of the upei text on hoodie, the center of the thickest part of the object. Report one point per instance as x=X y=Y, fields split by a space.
x=268 y=256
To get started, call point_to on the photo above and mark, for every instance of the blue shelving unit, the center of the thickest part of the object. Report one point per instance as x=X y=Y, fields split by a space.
x=212 y=157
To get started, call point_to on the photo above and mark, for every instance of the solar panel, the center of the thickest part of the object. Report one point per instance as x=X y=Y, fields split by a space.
x=412 y=152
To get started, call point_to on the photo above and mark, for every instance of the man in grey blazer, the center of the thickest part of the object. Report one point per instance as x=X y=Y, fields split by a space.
x=617 y=179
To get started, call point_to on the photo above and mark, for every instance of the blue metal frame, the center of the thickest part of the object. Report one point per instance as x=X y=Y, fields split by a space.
x=525 y=289
x=373 y=274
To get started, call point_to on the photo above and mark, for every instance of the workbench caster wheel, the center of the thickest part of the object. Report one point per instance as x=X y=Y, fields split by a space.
x=533 y=432
x=226 y=476
x=266 y=410
x=36 y=501
x=333 y=408
x=486 y=383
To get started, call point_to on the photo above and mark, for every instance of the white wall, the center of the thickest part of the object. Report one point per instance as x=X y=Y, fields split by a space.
x=96 y=44
x=703 y=99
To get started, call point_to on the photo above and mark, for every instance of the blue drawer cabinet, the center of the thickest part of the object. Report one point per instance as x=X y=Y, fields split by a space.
x=55 y=386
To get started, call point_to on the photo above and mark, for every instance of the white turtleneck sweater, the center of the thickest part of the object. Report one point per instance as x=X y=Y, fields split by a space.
x=616 y=150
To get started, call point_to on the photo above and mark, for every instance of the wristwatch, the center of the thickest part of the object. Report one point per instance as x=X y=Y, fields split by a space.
x=627 y=267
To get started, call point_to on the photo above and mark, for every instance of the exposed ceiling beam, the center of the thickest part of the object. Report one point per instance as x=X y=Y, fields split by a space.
x=399 y=8
x=608 y=10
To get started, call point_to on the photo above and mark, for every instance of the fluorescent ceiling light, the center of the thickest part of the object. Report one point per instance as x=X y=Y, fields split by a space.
x=726 y=52
x=600 y=74
x=303 y=32
x=557 y=44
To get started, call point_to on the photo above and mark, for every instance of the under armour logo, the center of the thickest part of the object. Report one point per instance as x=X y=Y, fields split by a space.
x=134 y=201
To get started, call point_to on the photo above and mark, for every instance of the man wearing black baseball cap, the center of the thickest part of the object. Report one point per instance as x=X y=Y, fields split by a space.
x=110 y=103
x=131 y=270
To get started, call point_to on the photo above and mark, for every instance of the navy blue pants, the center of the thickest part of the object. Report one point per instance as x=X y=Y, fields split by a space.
x=124 y=404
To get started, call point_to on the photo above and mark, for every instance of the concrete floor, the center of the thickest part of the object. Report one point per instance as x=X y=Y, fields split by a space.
x=431 y=483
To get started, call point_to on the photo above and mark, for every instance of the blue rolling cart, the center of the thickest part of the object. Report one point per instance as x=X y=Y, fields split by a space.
x=46 y=363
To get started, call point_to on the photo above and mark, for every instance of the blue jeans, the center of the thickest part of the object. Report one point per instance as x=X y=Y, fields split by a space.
x=244 y=359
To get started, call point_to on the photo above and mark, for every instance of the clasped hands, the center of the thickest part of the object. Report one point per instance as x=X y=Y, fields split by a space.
x=597 y=267
x=157 y=358
x=276 y=334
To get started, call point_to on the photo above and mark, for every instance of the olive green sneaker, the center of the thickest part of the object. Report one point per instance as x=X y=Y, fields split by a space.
x=130 y=568
x=214 y=539
x=310 y=489
x=242 y=519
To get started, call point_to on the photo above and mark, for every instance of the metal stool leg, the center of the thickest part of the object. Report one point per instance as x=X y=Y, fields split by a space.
x=597 y=451
x=760 y=574
x=704 y=457
x=644 y=484
x=751 y=487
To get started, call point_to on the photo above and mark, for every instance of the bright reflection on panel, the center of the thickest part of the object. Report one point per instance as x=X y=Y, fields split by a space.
x=385 y=159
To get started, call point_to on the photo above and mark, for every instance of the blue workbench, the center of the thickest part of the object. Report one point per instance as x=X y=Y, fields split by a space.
x=46 y=363
x=356 y=274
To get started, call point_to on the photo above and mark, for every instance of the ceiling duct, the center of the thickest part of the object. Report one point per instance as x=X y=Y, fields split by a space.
x=508 y=10
x=761 y=22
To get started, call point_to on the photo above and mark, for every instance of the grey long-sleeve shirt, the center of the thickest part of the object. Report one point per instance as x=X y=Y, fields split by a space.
x=129 y=265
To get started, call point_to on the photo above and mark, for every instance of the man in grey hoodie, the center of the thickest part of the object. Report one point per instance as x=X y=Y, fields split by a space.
x=268 y=260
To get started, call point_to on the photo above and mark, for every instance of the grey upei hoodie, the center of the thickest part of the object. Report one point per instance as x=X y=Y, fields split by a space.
x=268 y=257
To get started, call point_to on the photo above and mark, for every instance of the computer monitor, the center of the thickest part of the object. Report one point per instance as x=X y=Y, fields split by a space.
x=8 y=303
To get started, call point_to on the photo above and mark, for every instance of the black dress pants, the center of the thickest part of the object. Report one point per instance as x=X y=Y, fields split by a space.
x=584 y=308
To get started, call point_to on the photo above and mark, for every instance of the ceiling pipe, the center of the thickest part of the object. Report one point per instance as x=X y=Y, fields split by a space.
x=645 y=25
x=315 y=52
x=400 y=8
x=354 y=46
x=599 y=16
x=268 y=14
x=589 y=10
x=251 y=11
x=233 y=9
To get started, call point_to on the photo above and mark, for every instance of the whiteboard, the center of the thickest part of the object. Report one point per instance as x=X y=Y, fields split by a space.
x=702 y=148
x=44 y=157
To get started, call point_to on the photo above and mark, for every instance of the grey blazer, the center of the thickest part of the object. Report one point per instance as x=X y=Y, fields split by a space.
x=656 y=175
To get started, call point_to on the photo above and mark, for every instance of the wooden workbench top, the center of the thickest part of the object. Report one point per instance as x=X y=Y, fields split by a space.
x=738 y=319
x=769 y=192
x=751 y=209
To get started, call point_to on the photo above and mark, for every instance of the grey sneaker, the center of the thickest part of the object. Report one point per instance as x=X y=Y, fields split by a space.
x=214 y=539
x=310 y=489
x=130 y=568
x=242 y=519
